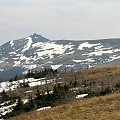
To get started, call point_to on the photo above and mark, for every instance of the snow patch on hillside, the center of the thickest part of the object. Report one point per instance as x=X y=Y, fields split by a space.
x=44 y=108
x=78 y=61
x=86 y=60
x=17 y=58
x=25 y=62
x=50 y=49
x=13 y=53
x=30 y=66
x=114 y=57
x=6 y=109
x=16 y=84
x=1 y=70
x=116 y=50
x=1 y=61
x=70 y=53
x=49 y=62
x=11 y=43
x=69 y=66
x=25 y=101
x=16 y=63
x=99 y=53
x=54 y=67
x=30 y=91
x=81 y=96
x=86 y=45
x=2 y=104
x=27 y=47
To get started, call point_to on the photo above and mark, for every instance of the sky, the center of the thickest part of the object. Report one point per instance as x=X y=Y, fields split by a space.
x=59 y=19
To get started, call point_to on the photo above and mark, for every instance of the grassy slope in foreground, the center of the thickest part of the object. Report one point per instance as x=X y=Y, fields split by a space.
x=97 y=108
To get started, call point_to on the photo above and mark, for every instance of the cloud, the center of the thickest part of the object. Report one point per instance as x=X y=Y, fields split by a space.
x=59 y=19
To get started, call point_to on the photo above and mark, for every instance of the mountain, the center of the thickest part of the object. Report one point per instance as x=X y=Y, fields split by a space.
x=38 y=52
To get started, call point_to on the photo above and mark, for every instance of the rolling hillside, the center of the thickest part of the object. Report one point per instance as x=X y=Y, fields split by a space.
x=64 y=91
x=97 y=108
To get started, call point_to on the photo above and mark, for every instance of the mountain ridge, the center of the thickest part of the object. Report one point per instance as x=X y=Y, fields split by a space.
x=38 y=52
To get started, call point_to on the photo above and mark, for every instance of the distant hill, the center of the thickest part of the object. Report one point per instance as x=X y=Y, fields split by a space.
x=38 y=52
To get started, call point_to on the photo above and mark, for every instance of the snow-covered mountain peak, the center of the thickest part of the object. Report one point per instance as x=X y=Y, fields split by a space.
x=36 y=51
x=38 y=38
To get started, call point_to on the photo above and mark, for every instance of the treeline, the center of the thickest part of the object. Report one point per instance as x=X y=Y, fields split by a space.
x=47 y=72
x=50 y=98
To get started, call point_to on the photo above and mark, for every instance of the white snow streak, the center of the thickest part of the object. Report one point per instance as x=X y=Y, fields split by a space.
x=27 y=47
x=44 y=108
x=86 y=60
x=81 y=96
x=86 y=45
x=11 y=43
x=1 y=61
x=54 y=67
x=13 y=53
x=6 y=109
x=16 y=84
x=99 y=53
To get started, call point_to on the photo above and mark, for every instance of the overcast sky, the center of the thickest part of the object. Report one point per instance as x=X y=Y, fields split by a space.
x=59 y=19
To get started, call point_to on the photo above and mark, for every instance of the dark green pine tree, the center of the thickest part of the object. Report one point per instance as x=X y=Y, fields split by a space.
x=75 y=84
x=18 y=109
x=4 y=96
x=31 y=103
x=16 y=78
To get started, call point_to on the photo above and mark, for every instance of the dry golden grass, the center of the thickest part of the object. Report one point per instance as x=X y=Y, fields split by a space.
x=93 y=73
x=99 y=73
x=97 y=108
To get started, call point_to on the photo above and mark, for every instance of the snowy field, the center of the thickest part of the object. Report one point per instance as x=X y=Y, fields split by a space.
x=16 y=84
